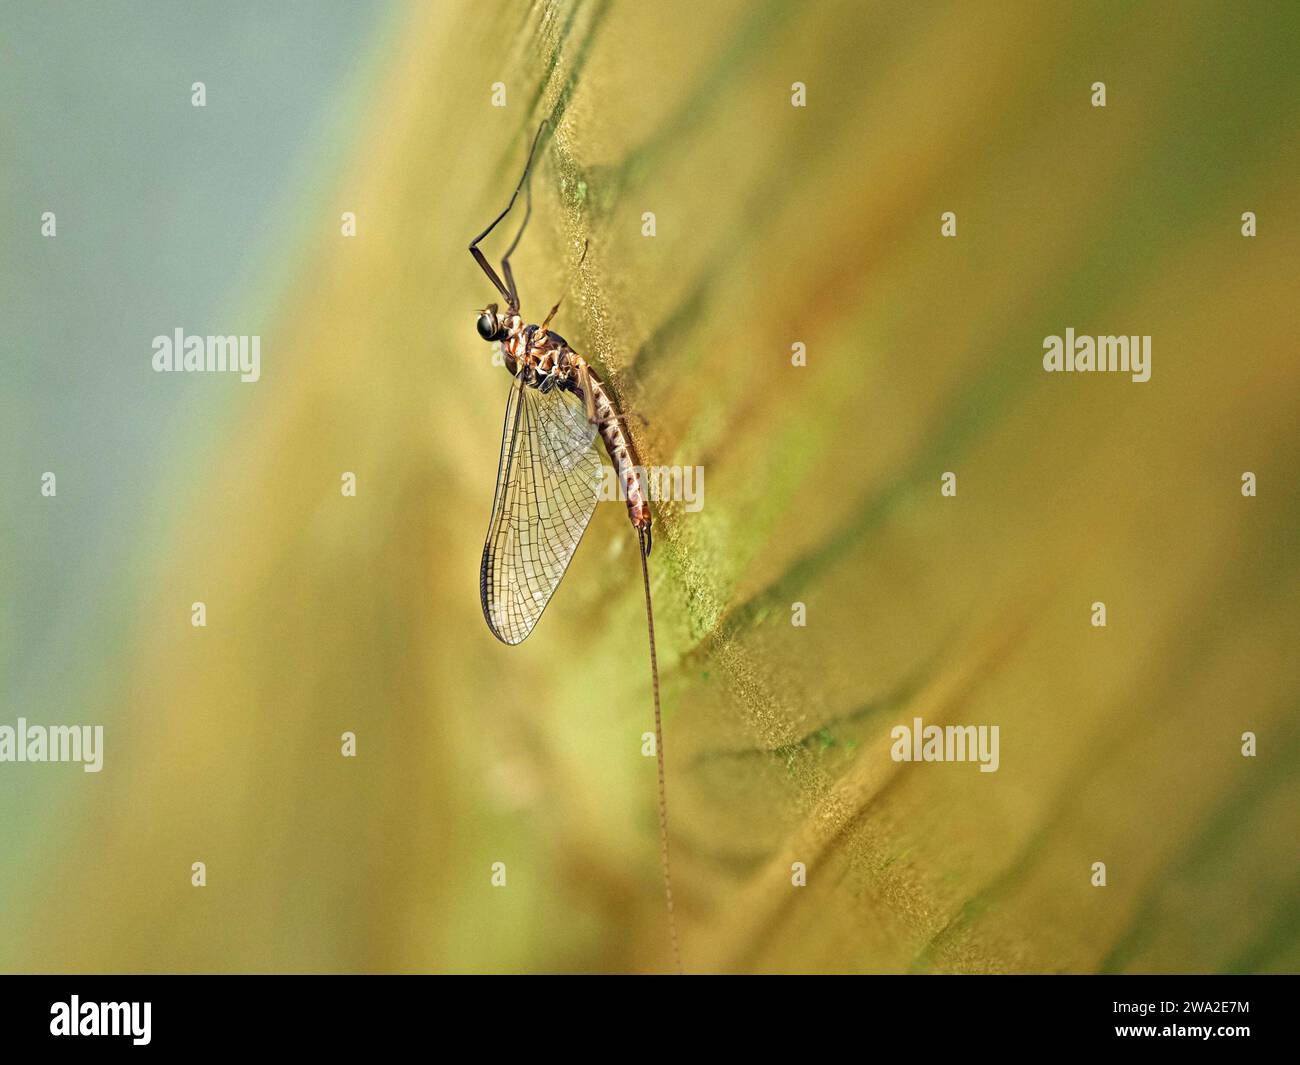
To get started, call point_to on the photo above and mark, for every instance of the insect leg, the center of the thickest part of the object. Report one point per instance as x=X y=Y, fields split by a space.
x=551 y=315
x=487 y=269
x=584 y=383
x=511 y=293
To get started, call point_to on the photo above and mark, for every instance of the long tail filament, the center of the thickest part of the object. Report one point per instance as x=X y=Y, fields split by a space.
x=643 y=536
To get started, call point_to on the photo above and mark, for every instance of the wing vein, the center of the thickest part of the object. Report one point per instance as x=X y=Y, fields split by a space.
x=548 y=481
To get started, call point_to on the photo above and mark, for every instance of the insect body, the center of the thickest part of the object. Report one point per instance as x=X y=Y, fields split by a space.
x=549 y=477
x=546 y=361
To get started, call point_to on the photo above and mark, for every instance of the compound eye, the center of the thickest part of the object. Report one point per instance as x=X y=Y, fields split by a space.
x=487 y=325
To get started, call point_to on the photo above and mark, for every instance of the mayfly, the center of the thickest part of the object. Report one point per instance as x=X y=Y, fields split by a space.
x=549 y=475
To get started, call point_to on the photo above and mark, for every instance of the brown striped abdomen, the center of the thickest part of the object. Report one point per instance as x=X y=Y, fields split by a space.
x=622 y=452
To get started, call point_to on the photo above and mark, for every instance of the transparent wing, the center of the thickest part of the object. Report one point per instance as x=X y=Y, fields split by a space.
x=548 y=481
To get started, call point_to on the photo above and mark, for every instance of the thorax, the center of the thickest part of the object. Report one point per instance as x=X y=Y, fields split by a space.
x=544 y=355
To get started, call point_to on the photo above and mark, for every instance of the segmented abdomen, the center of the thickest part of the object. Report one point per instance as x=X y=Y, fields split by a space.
x=622 y=453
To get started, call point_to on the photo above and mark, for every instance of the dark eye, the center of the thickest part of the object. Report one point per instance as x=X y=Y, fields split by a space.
x=487 y=326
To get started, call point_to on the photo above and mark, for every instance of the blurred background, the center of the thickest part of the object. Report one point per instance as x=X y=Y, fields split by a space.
x=775 y=225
